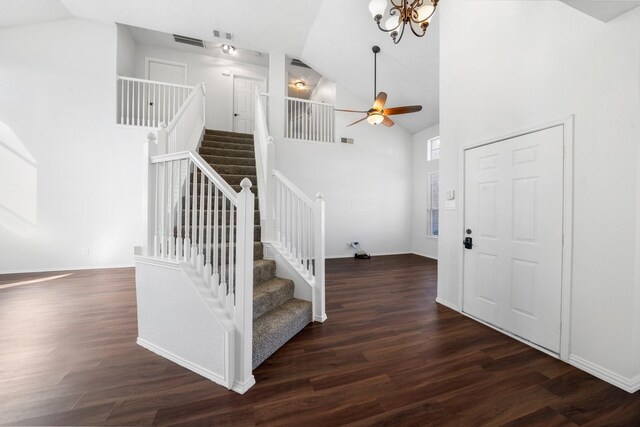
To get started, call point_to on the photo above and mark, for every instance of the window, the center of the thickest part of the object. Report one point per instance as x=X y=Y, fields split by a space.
x=433 y=211
x=434 y=149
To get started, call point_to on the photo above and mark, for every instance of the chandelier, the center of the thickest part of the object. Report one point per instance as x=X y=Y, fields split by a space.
x=415 y=13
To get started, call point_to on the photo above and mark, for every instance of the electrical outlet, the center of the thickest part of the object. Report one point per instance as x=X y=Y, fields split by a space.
x=85 y=251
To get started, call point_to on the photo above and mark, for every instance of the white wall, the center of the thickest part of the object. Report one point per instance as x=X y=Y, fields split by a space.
x=126 y=53
x=421 y=243
x=69 y=179
x=202 y=68
x=508 y=66
x=367 y=185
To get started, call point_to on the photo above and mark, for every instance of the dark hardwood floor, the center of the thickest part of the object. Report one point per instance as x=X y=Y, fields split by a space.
x=388 y=355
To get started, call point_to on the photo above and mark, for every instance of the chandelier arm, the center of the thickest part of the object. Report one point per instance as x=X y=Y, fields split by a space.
x=398 y=37
x=423 y=26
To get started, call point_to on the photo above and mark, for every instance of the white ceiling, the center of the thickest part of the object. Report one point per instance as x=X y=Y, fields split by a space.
x=213 y=49
x=339 y=47
x=257 y=25
x=332 y=36
x=604 y=10
x=25 y=12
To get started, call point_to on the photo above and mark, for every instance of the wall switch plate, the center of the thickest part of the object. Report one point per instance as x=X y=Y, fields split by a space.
x=451 y=194
x=450 y=204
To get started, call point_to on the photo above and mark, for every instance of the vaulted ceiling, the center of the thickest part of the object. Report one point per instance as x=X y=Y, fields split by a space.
x=333 y=36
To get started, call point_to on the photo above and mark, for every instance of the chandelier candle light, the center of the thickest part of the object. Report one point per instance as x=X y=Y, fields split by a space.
x=416 y=13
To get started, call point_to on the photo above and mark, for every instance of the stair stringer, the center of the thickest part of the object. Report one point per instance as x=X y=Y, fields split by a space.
x=180 y=320
x=286 y=269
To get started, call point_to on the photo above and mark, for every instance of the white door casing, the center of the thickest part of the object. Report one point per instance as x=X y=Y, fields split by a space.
x=513 y=204
x=244 y=103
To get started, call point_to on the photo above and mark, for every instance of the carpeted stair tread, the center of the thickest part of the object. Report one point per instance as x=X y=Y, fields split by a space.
x=273 y=329
x=270 y=294
x=216 y=161
x=226 y=152
x=256 y=216
x=263 y=270
x=227 y=133
x=248 y=171
x=225 y=138
x=205 y=230
x=227 y=146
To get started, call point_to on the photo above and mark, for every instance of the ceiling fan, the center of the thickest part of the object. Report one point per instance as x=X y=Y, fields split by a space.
x=378 y=114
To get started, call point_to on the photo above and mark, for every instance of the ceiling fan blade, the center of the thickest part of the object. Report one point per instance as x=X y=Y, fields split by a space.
x=387 y=122
x=349 y=111
x=358 y=121
x=402 y=110
x=381 y=99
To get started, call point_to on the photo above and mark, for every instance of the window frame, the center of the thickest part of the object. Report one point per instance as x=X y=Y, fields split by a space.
x=430 y=149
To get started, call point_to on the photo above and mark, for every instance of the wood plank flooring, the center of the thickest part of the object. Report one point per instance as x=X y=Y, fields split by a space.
x=388 y=355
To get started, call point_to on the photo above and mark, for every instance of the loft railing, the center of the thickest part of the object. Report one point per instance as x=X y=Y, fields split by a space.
x=294 y=224
x=309 y=120
x=148 y=103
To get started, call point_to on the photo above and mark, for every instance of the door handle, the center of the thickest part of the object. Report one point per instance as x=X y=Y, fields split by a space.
x=235 y=114
x=468 y=243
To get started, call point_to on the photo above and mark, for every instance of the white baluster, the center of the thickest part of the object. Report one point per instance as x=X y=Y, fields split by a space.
x=207 y=267
x=187 y=212
x=319 y=283
x=121 y=101
x=201 y=226
x=194 y=210
x=215 y=278
x=223 y=252
x=179 y=213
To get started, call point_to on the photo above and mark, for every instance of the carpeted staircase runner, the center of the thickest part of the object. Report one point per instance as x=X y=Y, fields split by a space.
x=277 y=315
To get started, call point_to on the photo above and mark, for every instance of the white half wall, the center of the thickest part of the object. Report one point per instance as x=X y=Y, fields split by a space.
x=70 y=180
x=511 y=66
x=421 y=243
x=367 y=185
x=207 y=69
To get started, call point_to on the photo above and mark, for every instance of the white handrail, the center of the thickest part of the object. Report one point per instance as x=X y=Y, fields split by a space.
x=293 y=188
x=184 y=131
x=155 y=82
x=148 y=103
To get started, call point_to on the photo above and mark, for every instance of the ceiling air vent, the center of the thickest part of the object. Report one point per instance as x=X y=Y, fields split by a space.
x=299 y=63
x=188 y=40
x=222 y=34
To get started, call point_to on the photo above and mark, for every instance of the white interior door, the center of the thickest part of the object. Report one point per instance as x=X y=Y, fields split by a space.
x=166 y=71
x=514 y=214
x=244 y=103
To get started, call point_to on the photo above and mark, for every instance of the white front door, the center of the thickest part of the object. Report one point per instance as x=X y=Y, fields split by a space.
x=514 y=215
x=244 y=103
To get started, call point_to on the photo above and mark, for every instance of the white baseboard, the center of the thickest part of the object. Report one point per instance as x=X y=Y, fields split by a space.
x=447 y=304
x=424 y=255
x=57 y=269
x=630 y=385
x=216 y=378
x=242 y=388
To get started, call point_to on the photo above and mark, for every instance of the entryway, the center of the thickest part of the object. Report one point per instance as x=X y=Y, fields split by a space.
x=514 y=222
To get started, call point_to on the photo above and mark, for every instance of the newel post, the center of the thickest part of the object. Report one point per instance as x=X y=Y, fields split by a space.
x=243 y=318
x=162 y=139
x=319 y=314
x=150 y=149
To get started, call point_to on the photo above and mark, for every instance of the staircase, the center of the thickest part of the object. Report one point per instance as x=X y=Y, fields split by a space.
x=277 y=315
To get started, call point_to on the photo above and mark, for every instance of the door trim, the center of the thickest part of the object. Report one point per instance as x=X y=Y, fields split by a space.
x=263 y=82
x=149 y=59
x=567 y=228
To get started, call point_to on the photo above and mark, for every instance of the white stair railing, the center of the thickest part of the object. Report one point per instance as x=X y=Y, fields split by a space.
x=205 y=223
x=148 y=103
x=294 y=225
x=309 y=120
x=184 y=131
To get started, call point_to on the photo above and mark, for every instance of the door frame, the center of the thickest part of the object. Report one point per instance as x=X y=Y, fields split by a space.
x=263 y=82
x=149 y=59
x=567 y=229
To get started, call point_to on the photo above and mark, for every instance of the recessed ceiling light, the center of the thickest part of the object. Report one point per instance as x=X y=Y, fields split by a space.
x=228 y=49
x=299 y=84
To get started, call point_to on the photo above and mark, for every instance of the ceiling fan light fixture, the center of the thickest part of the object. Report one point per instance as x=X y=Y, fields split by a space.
x=416 y=14
x=375 y=118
